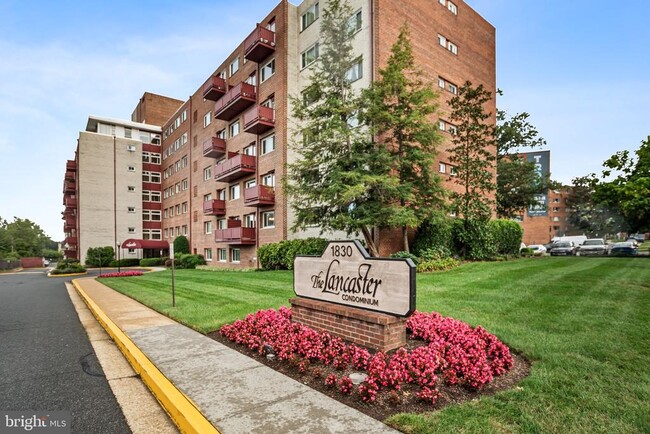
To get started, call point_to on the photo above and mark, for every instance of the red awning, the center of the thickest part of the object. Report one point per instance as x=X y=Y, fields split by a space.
x=132 y=243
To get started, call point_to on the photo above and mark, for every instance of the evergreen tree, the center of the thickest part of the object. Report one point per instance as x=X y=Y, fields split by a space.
x=400 y=105
x=181 y=245
x=473 y=153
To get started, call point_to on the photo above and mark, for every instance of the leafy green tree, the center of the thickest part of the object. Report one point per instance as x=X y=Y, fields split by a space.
x=99 y=256
x=340 y=174
x=53 y=255
x=181 y=245
x=518 y=182
x=400 y=105
x=590 y=215
x=23 y=237
x=473 y=153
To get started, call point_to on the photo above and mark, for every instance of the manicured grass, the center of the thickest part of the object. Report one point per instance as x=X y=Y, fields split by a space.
x=583 y=322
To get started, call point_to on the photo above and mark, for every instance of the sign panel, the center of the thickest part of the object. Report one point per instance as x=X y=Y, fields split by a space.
x=542 y=161
x=345 y=274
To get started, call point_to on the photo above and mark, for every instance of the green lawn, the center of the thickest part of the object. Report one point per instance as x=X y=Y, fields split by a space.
x=584 y=323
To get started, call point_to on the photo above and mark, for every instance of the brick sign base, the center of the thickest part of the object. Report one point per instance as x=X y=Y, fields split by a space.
x=374 y=330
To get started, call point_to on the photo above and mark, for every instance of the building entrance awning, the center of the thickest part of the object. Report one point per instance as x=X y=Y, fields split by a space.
x=133 y=243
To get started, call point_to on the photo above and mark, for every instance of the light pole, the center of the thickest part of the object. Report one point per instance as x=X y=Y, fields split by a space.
x=118 y=258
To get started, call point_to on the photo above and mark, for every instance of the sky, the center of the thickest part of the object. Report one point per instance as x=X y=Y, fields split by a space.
x=580 y=68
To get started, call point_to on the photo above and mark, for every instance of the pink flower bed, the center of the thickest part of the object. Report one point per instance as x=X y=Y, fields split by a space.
x=455 y=353
x=122 y=274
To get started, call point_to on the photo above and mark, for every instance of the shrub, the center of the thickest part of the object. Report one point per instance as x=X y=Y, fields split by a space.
x=434 y=234
x=68 y=266
x=280 y=255
x=189 y=261
x=507 y=235
x=181 y=245
x=129 y=273
x=99 y=256
x=473 y=239
x=441 y=264
x=405 y=255
x=526 y=251
x=151 y=262
x=126 y=262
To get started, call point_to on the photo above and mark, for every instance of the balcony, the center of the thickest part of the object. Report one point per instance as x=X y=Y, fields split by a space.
x=70 y=176
x=70 y=202
x=214 y=207
x=260 y=195
x=68 y=187
x=70 y=220
x=71 y=165
x=259 y=119
x=68 y=226
x=235 y=167
x=235 y=236
x=214 y=147
x=234 y=101
x=260 y=44
x=71 y=241
x=214 y=88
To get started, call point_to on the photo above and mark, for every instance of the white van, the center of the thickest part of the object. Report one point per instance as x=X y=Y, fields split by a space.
x=577 y=239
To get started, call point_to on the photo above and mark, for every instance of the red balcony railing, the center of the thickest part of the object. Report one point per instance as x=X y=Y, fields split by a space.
x=69 y=220
x=260 y=44
x=235 y=167
x=70 y=202
x=237 y=99
x=214 y=147
x=235 y=236
x=68 y=187
x=214 y=88
x=70 y=175
x=214 y=207
x=68 y=226
x=71 y=165
x=259 y=119
x=71 y=241
x=260 y=195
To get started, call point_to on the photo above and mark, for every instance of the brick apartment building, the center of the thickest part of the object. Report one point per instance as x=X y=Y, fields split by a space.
x=224 y=151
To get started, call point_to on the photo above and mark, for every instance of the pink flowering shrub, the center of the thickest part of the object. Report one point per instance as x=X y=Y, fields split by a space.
x=455 y=353
x=122 y=274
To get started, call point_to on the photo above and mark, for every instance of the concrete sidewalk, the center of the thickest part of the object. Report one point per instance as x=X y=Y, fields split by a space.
x=208 y=387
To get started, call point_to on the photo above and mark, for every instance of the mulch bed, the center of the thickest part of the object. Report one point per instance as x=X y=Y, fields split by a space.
x=387 y=403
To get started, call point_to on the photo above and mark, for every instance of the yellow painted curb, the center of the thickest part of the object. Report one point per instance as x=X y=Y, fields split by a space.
x=180 y=408
x=66 y=275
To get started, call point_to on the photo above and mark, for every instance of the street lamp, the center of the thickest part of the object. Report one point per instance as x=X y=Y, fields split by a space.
x=118 y=257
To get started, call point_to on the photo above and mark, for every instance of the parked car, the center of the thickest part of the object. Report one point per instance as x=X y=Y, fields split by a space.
x=563 y=248
x=592 y=246
x=640 y=238
x=626 y=248
x=538 y=249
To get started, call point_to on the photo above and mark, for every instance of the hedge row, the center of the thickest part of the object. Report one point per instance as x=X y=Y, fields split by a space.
x=280 y=255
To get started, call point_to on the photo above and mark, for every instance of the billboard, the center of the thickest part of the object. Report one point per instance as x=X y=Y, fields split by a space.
x=542 y=162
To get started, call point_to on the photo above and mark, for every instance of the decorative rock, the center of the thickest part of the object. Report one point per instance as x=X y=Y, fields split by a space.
x=358 y=377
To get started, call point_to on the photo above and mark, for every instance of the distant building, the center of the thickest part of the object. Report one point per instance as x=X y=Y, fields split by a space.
x=225 y=150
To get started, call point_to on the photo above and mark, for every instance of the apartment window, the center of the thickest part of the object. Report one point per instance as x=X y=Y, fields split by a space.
x=249 y=220
x=178 y=187
x=441 y=83
x=221 y=255
x=267 y=70
x=166 y=233
x=207 y=227
x=151 y=215
x=207 y=197
x=221 y=224
x=452 y=8
x=131 y=209
x=151 y=234
x=309 y=96
x=185 y=208
x=178 y=209
x=131 y=230
x=442 y=2
x=452 y=129
x=250 y=149
x=128 y=132
x=221 y=194
x=207 y=254
x=268 y=144
x=130 y=148
x=252 y=79
x=268 y=219
x=271 y=25
x=452 y=88
x=207 y=118
x=442 y=125
x=268 y=179
x=452 y=171
x=442 y=41
x=166 y=213
x=354 y=22
x=556 y=200
x=185 y=184
x=234 y=66
x=151 y=177
x=185 y=230
x=556 y=219
x=556 y=209
x=235 y=255
x=207 y=173
x=155 y=196
x=309 y=16
x=442 y=168
x=131 y=168
x=234 y=128
x=309 y=56
x=184 y=161
x=235 y=192
x=452 y=47
x=356 y=72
